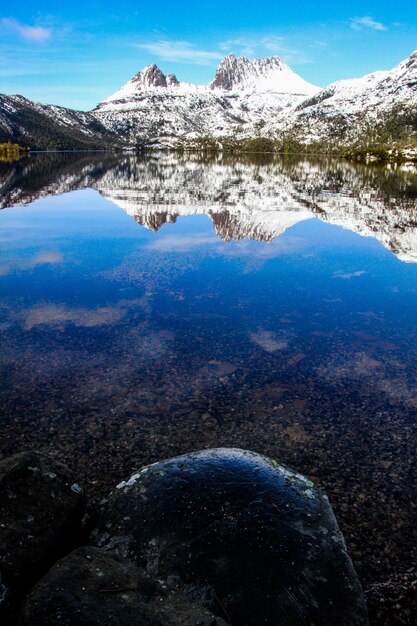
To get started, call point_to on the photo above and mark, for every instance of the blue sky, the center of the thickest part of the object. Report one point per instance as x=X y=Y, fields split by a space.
x=76 y=54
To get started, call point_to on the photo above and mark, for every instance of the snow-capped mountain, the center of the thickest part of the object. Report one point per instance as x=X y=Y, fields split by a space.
x=345 y=108
x=234 y=74
x=242 y=92
x=147 y=81
x=242 y=200
x=245 y=98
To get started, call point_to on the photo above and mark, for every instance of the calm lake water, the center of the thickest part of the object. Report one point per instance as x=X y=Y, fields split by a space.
x=151 y=306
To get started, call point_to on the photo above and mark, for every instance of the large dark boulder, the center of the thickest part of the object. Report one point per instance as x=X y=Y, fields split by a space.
x=241 y=535
x=41 y=508
x=90 y=588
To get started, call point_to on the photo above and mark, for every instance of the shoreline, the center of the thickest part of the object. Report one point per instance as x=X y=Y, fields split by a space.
x=387 y=155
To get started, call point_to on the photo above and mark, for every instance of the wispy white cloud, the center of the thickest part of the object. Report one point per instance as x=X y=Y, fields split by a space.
x=180 y=52
x=348 y=275
x=240 y=45
x=319 y=44
x=273 y=43
x=43 y=258
x=36 y=34
x=262 y=46
x=46 y=61
x=278 y=45
x=182 y=243
x=269 y=341
x=52 y=314
x=185 y=51
x=358 y=23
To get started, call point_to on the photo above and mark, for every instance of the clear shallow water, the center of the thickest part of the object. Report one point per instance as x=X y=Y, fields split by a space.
x=154 y=306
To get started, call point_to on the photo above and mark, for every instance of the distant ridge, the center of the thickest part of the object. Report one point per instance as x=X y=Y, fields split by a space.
x=245 y=99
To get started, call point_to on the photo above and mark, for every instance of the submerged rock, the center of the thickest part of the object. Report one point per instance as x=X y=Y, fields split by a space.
x=40 y=514
x=241 y=535
x=394 y=601
x=5 y=598
x=90 y=587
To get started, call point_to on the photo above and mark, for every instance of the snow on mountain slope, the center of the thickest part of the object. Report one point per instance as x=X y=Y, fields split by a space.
x=149 y=80
x=153 y=105
x=345 y=108
x=375 y=90
x=244 y=98
x=48 y=126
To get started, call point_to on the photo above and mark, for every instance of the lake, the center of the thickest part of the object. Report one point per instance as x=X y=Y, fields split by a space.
x=159 y=304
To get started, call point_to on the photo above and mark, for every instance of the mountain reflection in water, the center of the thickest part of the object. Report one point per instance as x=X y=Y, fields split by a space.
x=257 y=201
x=235 y=311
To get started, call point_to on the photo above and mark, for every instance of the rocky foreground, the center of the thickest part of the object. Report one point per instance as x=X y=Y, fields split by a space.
x=216 y=537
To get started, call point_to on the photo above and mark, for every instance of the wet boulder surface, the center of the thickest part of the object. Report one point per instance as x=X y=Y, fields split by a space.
x=240 y=535
x=90 y=587
x=41 y=507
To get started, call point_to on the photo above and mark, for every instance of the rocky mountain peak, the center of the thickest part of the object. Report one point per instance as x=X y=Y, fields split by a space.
x=235 y=71
x=229 y=72
x=145 y=81
x=151 y=76
x=268 y=74
x=172 y=80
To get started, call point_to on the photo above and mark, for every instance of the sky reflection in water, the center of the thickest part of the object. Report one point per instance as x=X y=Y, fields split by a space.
x=132 y=344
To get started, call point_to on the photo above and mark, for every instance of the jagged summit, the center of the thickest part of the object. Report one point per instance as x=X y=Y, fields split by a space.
x=268 y=74
x=151 y=76
x=235 y=71
x=172 y=80
x=148 y=79
x=271 y=74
